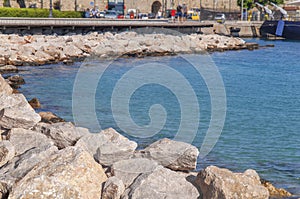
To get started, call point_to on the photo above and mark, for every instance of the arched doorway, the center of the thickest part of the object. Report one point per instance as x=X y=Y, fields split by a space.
x=155 y=7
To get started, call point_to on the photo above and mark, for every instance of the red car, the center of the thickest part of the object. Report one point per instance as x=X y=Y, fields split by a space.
x=120 y=16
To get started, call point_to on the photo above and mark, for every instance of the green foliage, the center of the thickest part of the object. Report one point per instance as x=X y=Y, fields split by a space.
x=37 y=13
x=251 y=3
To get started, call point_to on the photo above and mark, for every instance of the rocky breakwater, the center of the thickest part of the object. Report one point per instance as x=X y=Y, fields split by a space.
x=40 y=49
x=60 y=160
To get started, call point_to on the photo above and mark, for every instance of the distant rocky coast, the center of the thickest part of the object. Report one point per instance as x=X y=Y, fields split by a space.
x=41 y=49
x=59 y=160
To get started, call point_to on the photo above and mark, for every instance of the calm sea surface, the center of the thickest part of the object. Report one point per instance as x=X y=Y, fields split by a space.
x=262 y=125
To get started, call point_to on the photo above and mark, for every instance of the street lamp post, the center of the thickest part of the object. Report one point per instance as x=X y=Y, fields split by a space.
x=50 y=10
x=242 y=10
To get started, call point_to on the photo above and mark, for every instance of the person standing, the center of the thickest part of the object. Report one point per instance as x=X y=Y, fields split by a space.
x=179 y=13
x=173 y=13
x=184 y=10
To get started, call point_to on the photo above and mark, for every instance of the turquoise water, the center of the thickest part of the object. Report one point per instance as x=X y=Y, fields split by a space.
x=262 y=123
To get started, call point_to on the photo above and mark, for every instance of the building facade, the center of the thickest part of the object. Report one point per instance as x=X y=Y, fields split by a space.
x=145 y=6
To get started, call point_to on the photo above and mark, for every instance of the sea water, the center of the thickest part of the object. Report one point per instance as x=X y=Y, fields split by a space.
x=262 y=124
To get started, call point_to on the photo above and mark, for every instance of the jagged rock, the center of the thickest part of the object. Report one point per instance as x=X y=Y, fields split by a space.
x=7 y=152
x=218 y=183
x=113 y=188
x=28 y=39
x=116 y=147
x=3 y=191
x=63 y=134
x=20 y=165
x=128 y=170
x=23 y=140
x=51 y=50
x=275 y=192
x=16 y=79
x=108 y=146
x=70 y=173
x=4 y=87
x=35 y=103
x=48 y=117
x=178 y=156
x=72 y=51
x=162 y=183
x=8 y=69
x=17 y=112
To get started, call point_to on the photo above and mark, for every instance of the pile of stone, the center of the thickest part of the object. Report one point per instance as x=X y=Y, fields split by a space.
x=59 y=160
x=40 y=49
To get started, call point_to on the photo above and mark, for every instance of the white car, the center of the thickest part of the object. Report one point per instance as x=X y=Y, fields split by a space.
x=220 y=18
x=111 y=14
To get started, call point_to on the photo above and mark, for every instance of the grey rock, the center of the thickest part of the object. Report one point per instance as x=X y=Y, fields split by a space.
x=7 y=152
x=17 y=112
x=178 y=156
x=162 y=183
x=219 y=183
x=114 y=148
x=108 y=146
x=63 y=134
x=4 y=87
x=23 y=140
x=72 y=51
x=128 y=170
x=20 y=165
x=70 y=173
x=113 y=188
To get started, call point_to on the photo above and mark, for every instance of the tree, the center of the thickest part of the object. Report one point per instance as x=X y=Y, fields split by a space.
x=21 y=3
x=6 y=3
x=251 y=3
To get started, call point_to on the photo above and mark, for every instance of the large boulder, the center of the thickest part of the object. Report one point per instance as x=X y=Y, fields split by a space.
x=70 y=173
x=23 y=140
x=7 y=152
x=108 y=146
x=219 y=183
x=162 y=183
x=20 y=165
x=113 y=188
x=4 y=87
x=17 y=112
x=63 y=134
x=128 y=170
x=178 y=156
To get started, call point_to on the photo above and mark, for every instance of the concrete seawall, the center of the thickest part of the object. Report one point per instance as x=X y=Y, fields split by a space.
x=246 y=29
x=46 y=26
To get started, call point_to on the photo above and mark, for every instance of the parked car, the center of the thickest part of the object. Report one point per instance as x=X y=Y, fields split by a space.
x=220 y=18
x=195 y=16
x=151 y=16
x=143 y=16
x=111 y=14
x=101 y=14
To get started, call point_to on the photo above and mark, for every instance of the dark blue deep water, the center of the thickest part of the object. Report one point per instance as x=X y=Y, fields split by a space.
x=262 y=125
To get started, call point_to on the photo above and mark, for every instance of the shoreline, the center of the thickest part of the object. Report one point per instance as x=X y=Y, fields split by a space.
x=40 y=49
